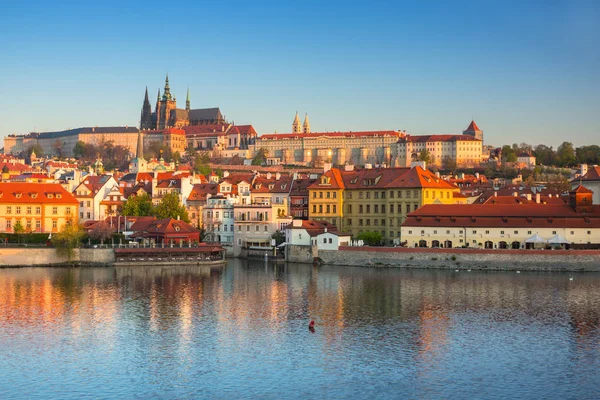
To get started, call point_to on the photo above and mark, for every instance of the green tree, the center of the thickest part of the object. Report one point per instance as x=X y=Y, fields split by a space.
x=170 y=207
x=566 y=154
x=138 y=206
x=508 y=154
x=18 y=229
x=261 y=157
x=449 y=164
x=371 y=238
x=279 y=237
x=544 y=155
x=201 y=163
x=68 y=239
x=39 y=151
x=588 y=154
x=79 y=149
x=425 y=155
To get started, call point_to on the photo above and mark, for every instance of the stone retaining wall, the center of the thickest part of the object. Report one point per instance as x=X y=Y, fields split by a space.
x=539 y=260
x=25 y=257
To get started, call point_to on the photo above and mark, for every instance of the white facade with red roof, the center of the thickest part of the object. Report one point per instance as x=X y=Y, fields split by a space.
x=90 y=192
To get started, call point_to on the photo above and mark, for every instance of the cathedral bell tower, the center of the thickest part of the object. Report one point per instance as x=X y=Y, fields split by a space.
x=296 y=127
x=166 y=105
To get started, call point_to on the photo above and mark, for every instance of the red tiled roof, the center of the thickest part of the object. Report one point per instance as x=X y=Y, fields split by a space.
x=472 y=126
x=417 y=177
x=199 y=191
x=500 y=215
x=582 y=189
x=336 y=180
x=25 y=192
x=314 y=135
x=262 y=184
x=437 y=138
x=206 y=130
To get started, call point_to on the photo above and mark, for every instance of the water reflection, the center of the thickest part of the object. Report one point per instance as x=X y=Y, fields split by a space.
x=242 y=331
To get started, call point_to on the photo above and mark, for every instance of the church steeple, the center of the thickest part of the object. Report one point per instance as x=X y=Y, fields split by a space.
x=296 y=127
x=187 y=100
x=146 y=118
x=167 y=91
x=306 y=125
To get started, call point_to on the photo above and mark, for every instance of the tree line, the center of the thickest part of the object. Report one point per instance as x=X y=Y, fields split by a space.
x=565 y=155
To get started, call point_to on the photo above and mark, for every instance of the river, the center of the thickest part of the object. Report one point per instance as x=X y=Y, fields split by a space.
x=241 y=331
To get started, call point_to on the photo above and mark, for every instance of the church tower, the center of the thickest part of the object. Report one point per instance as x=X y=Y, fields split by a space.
x=306 y=125
x=473 y=130
x=187 y=100
x=139 y=164
x=167 y=103
x=296 y=127
x=146 y=118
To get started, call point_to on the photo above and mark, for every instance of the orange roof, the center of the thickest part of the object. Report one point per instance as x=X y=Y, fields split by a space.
x=314 y=135
x=418 y=177
x=582 y=189
x=336 y=180
x=437 y=138
x=25 y=192
x=473 y=127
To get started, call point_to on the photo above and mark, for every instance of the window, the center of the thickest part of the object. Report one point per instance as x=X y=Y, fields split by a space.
x=383 y=195
x=516 y=232
x=328 y=195
x=8 y=224
x=554 y=232
x=54 y=224
x=18 y=210
x=383 y=208
x=81 y=203
x=248 y=228
x=68 y=210
x=266 y=228
x=87 y=203
x=589 y=232
x=392 y=194
x=334 y=195
x=368 y=208
x=435 y=232
x=376 y=194
x=447 y=232
x=360 y=208
x=314 y=195
x=320 y=209
x=81 y=214
x=474 y=232
x=239 y=228
x=360 y=195
x=55 y=210
x=410 y=232
x=399 y=194
x=349 y=208
x=348 y=195
x=529 y=232
x=28 y=210
x=383 y=221
x=8 y=209
x=368 y=222
x=360 y=222
x=334 y=209
x=314 y=208
x=328 y=209
x=330 y=241
x=349 y=221
x=368 y=195
x=38 y=225
x=502 y=232
x=320 y=195
x=376 y=208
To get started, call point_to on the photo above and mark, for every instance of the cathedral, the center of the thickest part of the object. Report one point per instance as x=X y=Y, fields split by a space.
x=167 y=115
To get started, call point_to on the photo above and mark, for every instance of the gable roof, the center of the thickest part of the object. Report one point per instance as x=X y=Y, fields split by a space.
x=418 y=177
x=25 y=192
x=205 y=114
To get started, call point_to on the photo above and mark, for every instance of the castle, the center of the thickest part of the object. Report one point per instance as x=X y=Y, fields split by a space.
x=167 y=115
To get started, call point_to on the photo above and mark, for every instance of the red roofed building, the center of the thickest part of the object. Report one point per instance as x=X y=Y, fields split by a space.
x=165 y=232
x=314 y=148
x=40 y=207
x=590 y=178
x=498 y=225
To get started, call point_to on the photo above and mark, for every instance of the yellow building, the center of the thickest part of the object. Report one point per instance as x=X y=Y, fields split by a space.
x=325 y=198
x=39 y=207
x=380 y=199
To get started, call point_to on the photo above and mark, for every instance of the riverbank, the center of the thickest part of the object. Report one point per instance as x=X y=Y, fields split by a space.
x=480 y=259
x=28 y=257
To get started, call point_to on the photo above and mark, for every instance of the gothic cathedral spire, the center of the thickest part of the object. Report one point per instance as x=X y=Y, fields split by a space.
x=187 y=100
x=146 y=118
x=167 y=91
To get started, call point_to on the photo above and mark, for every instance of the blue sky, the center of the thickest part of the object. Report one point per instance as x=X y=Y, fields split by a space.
x=525 y=71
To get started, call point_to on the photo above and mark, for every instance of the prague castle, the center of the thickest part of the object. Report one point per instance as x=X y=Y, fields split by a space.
x=167 y=115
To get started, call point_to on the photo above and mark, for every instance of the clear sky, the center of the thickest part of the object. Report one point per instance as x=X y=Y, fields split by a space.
x=525 y=71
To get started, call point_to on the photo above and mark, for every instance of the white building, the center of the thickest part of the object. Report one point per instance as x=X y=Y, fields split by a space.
x=255 y=225
x=90 y=192
x=590 y=178
x=218 y=219
x=494 y=225
x=322 y=234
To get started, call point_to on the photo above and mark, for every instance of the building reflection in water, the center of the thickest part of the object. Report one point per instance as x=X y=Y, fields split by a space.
x=412 y=312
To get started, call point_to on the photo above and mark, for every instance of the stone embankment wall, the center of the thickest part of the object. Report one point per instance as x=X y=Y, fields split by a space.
x=300 y=254
x=24 y=257
x=535 y=260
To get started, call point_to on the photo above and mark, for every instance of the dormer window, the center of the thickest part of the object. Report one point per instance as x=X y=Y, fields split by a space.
x=34 y=195
x=58 y=196
x=50 y=196
x=18 y=195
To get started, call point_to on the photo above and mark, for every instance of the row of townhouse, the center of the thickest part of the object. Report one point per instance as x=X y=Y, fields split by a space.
x=376 y=199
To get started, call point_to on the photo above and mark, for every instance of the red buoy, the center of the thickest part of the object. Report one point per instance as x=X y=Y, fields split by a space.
x=311 y=326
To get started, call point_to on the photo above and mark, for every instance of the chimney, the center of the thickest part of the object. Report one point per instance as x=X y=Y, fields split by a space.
x=326 y=167
x=515 y=194
x=268 y=175
x=225 y=174
x=528 y=196
x=537 y=198
x=277 y=176
x=477 y=175
x=495 y=194
x=349 y=167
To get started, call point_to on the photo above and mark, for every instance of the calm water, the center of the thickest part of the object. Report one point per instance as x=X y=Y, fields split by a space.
x=242 y=332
